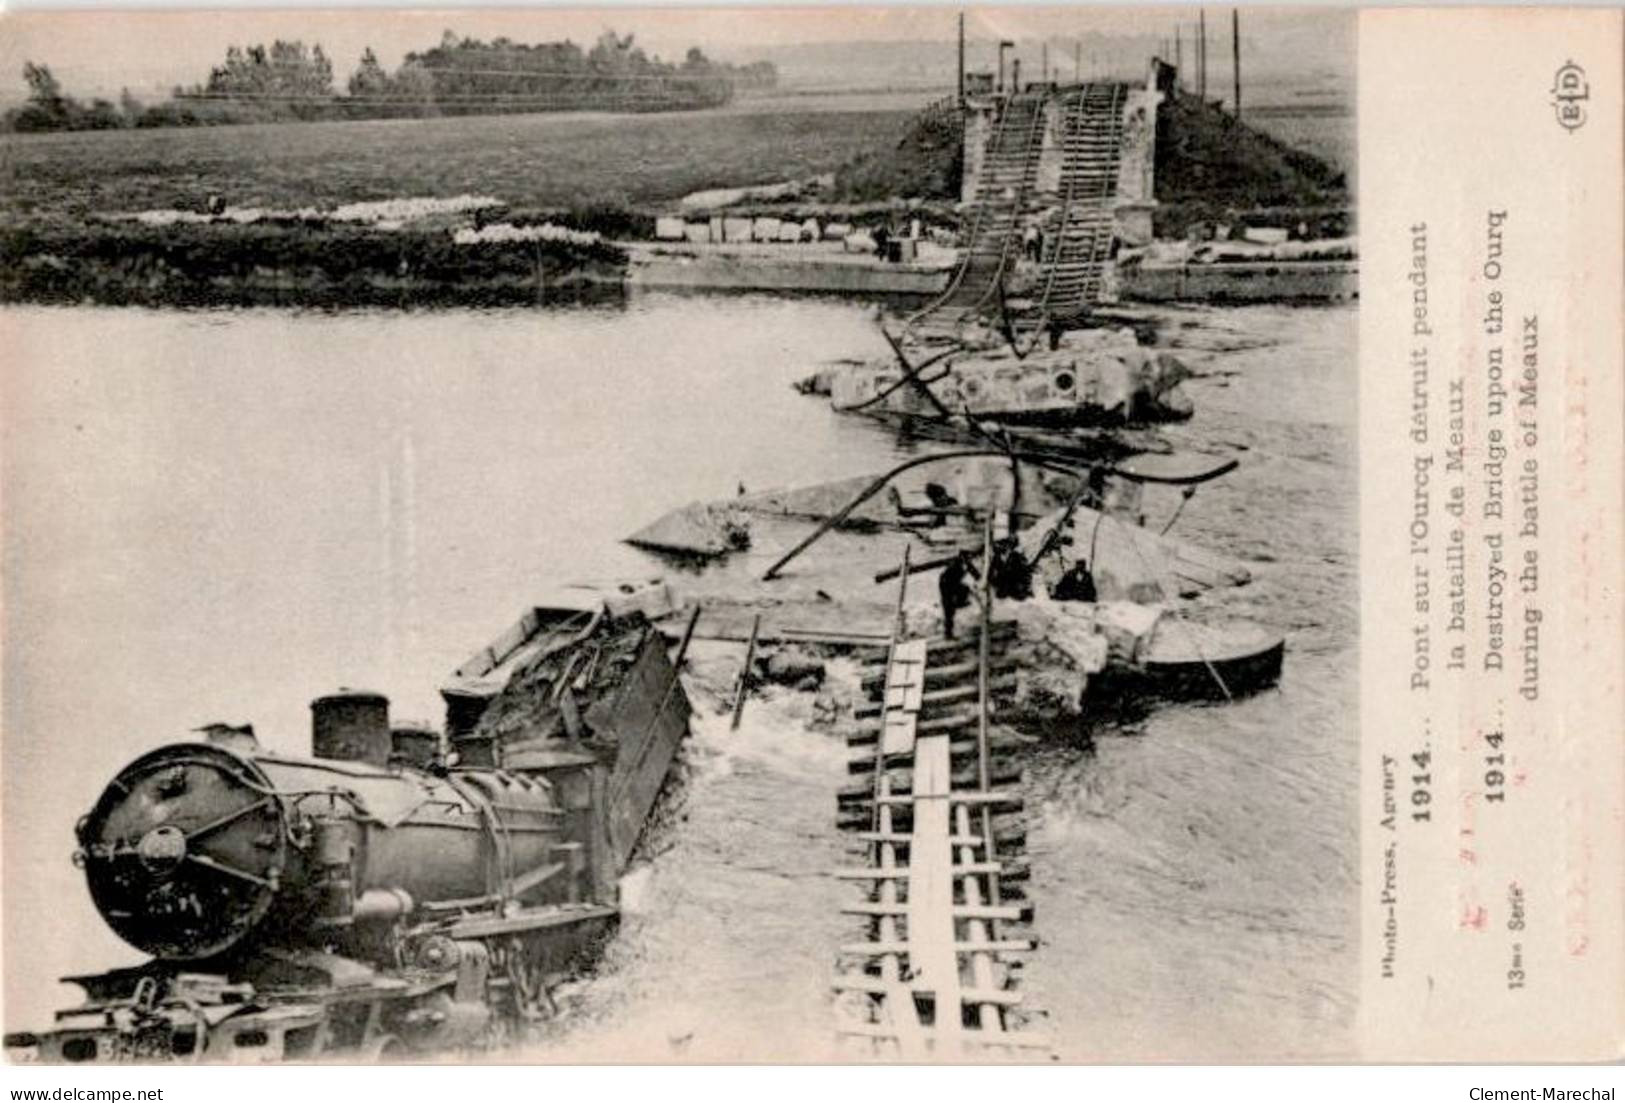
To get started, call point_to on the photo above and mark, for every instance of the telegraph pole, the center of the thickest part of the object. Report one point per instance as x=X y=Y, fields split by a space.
x=1235 y=55
x=1179 y=56
x=961 y=59
x=1077 y=62
x=1201 y=54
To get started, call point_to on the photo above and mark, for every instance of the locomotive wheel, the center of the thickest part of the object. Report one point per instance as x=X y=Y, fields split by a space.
x=185 y=850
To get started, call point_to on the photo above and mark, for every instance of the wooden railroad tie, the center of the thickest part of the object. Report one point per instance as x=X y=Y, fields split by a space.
x=963 y=720
x=953 y=674
x=1005 y=869
x=1011 y=1039
x=1013 y=913
x=961 y=869
x=1001 y=946
x=959 y=750
x=945 y=696
x=902 y=780
x=858 y=982
x=904 y=838
x=1004 y=797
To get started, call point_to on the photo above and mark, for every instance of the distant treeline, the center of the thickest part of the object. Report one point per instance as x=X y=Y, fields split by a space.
x=460 y=76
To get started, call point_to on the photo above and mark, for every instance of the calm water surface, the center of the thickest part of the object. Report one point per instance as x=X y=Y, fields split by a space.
x=218 y=516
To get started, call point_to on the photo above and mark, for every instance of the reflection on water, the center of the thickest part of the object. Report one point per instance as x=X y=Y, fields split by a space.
x=217 y=516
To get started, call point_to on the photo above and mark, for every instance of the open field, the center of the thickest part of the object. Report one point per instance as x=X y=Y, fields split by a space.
x=538 y=161
x=1325 y=130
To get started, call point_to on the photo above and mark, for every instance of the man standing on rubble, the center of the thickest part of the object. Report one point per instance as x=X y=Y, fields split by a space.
x=1011 y=574
x=953 y=588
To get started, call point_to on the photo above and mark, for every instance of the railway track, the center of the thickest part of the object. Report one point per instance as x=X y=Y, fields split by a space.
x=1079 y=220
x=945 y=918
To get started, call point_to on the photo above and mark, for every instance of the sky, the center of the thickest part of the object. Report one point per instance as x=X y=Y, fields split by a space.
x=98 y=52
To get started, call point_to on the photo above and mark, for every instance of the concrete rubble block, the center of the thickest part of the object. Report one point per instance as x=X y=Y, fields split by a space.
x=698 y=233
x=670 y=229
x=809 y=230
x=1125 y=627
x=765 y=229
x=736 y=230
x=858 y=242
x=791 y=666
x=1264 y=235
x=711 y=198
x=1050 y=693
x=1067 y=632
x=837 y=231
x=828 y=708
x=652 y=597
x=789 y=232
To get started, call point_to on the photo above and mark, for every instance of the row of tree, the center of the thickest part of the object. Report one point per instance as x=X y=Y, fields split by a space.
x=460 y=76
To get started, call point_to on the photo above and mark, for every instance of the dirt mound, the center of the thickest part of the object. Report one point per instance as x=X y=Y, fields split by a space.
x=1207 y=162
x=926 y=162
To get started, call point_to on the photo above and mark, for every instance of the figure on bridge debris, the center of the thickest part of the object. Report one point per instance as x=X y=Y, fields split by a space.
x=1077 y=584
x=1011 y=574
x=1032 y=242
x=953 y=588
x=882 y=236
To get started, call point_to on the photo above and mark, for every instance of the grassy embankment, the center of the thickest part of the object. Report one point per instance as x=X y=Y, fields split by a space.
x=1211 y=167
x=596 y=172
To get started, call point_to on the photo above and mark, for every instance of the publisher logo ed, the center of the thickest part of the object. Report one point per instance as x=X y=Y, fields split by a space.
x=1569 y=95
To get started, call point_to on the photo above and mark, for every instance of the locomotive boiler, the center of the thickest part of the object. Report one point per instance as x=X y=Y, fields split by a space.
x=374 y=898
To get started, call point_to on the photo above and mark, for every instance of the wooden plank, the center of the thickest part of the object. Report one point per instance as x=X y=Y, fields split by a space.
x=905 y=681
x=905 y=698
x=746 y=675
x=904 y=1018
x=931 y=889
x=907 y=663
x=905 y=677
x=649 y=716
x=899 y=732
x=864 y=624
x=873 y=907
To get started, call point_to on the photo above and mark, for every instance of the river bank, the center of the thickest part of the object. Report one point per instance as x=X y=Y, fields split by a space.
x=298 y=262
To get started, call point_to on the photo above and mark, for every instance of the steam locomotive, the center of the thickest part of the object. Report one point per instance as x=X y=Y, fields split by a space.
x=375 y=899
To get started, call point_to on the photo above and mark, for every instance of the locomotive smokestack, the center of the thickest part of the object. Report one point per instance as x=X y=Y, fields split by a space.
x=351 y=725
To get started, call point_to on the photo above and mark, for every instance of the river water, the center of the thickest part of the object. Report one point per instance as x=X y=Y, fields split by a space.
x=220 y=515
